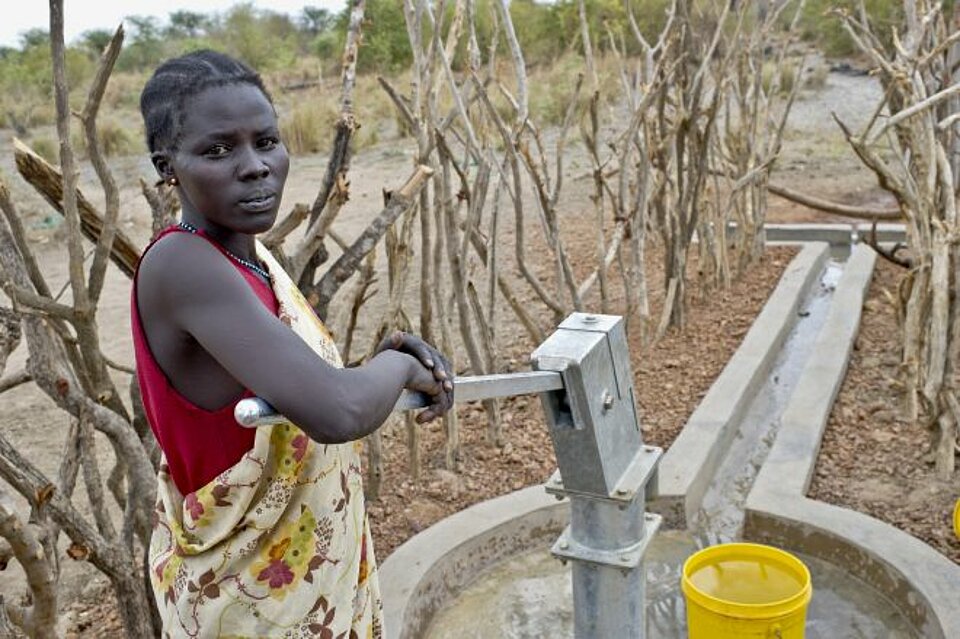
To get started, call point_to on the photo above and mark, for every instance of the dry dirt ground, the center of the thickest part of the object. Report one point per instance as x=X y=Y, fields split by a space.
x=670 y=377
x=872 y=460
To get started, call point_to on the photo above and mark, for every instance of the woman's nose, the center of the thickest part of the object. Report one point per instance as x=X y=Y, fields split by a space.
x=252 y=166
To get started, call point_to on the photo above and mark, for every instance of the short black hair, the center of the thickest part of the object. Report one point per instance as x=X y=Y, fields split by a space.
x=178 y=79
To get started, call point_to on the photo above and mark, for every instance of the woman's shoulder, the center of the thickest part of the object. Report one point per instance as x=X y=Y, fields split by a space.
x=179 y=261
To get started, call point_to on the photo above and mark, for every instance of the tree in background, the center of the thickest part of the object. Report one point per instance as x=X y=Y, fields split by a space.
x=817 y=25
x=95 y=41
x=188 y=24
x=146 y=44
x=385 y=45
x=34 y=38
x=316 y=20
x=263 y=39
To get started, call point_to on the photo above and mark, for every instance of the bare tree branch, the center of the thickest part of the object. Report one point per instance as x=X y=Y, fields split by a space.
x=888 y=254
x=19 y=239
x=26 y=297
x=397 y=202
x=93 y=482
x=858 y=212
x=39 y=620
x=400 y=102
x=48 y=181
x=519 y=66
x=10 y=334
x=322 y=214
x=14 y=379
x=276 y=235
x=81 y=297
x=922 y=88
x=913 y=110
x=53 y=373
x=164 y=204
x=112 y=211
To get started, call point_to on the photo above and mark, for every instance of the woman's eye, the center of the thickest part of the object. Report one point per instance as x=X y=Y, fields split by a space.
x=269 y=143
x=217 y=150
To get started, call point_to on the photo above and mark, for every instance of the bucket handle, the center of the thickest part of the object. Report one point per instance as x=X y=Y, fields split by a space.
x=775 y=631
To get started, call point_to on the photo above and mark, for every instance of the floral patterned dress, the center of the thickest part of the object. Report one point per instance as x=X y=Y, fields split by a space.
x=278 y=545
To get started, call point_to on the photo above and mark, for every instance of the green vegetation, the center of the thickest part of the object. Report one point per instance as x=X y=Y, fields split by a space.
x=300 y=58
x=820 y=25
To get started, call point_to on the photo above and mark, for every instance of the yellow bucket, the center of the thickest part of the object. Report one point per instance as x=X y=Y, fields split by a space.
x=956 y=519
x=742 y=591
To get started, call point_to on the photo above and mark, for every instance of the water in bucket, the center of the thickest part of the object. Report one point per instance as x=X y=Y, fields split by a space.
x=739 y=591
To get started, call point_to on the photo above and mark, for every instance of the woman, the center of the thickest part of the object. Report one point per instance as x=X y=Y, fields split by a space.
x=258 y=532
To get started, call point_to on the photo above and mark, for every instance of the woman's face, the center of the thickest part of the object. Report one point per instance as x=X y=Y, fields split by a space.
x=230 y=162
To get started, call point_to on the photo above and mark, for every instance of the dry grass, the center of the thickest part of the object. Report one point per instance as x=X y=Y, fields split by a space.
x=47 y=148
x=307 y=97
x=123 y=92
x=115 y=139
x=817 y=77
x=305 y=129
x=25 y=114
x=780 y=78
x=308 y=116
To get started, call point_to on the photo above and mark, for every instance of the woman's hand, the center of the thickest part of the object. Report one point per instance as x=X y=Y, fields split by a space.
x=440 y=387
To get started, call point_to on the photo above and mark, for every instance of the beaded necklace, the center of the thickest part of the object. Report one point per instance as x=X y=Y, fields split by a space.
x=262 y=272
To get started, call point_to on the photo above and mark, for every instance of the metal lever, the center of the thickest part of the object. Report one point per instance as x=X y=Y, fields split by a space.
x=253 y=411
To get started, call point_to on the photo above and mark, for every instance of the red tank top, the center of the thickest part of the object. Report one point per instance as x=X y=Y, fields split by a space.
x=198 y=443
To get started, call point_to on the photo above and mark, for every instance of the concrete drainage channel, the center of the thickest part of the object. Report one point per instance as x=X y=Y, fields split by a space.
x=739 y=469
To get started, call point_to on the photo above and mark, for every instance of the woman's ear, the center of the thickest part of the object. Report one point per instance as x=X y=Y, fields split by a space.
x=161 y=162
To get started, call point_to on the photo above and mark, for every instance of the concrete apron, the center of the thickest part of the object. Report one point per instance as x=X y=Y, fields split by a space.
x=921 y=582
x=430 y=569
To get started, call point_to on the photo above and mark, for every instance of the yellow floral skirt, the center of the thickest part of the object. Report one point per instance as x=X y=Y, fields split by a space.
x=278 y=545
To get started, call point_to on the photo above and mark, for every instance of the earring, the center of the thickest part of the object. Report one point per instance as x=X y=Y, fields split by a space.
x=173 y=181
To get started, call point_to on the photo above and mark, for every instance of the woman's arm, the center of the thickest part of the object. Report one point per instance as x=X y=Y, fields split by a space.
x=202 y=295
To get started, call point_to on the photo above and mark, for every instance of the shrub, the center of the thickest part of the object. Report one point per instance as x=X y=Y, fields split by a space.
x=817 y=77
x=386 y=48
x=123 y=91
x=28 y=113
x=368 y=135
x=783 y=76
x=263 y=39
x=308 y=128
x=115 y=140
x=46 y=148
x=820 y=26
x=551 y=90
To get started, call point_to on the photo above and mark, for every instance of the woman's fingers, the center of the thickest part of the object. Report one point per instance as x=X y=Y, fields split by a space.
x=439 y=384
x=425 y=382
x=412 y=345
x=441 y=397
x=393 y=341
x=448 y=378
x=427 y=354
x=415 y=346
x=442 y=402
x=426 y=415
x=441 y=367
x=444 y=371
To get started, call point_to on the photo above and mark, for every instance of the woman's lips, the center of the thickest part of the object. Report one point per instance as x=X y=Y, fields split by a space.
x=259 y=203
